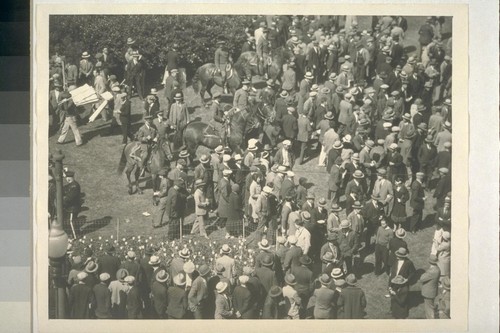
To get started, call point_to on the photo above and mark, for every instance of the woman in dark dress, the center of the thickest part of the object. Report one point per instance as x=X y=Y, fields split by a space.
x=399 y=297
x=401 y=196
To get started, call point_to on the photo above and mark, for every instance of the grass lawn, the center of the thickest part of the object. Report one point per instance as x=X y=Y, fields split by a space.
x=109 y=204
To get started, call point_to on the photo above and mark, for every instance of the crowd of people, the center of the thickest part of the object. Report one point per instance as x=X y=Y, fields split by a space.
x=380 y=123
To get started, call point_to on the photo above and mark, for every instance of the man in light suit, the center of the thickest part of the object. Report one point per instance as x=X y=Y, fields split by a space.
x=383 y=189
x=223 y=308
x=290 y=79
x=430 y=281
x=179 y=116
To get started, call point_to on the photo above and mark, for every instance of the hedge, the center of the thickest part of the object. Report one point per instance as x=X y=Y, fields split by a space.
x=196 y=36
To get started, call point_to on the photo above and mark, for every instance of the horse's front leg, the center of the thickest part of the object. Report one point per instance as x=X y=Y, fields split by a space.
x=137 y=176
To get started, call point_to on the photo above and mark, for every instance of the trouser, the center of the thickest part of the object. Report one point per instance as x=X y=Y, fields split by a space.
x=429 y=308
x=173 y=231
x=381 y=258
x=333 y=195
x=303 y=146
x=70 y=122
x=348 y=264
x=160 y=213
x=125 y=129
x=138 y=83
x=199 y=224
x=415 y=219
x=322 y=156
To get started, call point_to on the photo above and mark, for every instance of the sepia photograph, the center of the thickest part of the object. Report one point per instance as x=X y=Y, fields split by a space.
x=249 y=167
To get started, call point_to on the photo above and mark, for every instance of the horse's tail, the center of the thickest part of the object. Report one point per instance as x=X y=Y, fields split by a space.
x=196 y=81
x=123 y=162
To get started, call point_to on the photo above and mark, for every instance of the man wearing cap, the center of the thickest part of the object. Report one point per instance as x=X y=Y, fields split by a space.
x=346 y=116
x=201 y=204
x=68 y=110
x=80 y=299
x=426 y=156
x=304 y=128
x=305 y=88
x=304 y=278
x=102 y=306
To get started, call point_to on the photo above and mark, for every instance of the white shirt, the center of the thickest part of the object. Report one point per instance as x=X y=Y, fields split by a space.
x=303 y=239
x=286 y=157
x=400 y=264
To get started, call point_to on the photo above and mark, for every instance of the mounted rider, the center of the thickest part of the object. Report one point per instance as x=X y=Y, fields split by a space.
x=147 y=136
x=268 y=94
x=220 y=120
x=222 y=61
x=264 y=51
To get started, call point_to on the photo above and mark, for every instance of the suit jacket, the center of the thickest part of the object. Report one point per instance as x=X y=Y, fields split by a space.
x=324 y=307
x=305 y=279
x=229 y=267
x=426 y=156
x=304 y=128
x=134 y=303
x=102 y=305
x=222 y=307
x=198 y=294
x=177 y=302
x=417 y=196
x=348 y=244
x=278 y=158
x=109 y=264
x=289 y=80
x=80 y=298
x=407 y=270
x=178 y=116
x=240 y=99
x=267 y=277
x=292 y=257
x=430 y=282
x=287 y=187
x=159 y=298
x=384 y=190
x=394 y=244
x=289 y=126
x=243 y=302
x=357 y=190
x=174 y=204
x=352 y=303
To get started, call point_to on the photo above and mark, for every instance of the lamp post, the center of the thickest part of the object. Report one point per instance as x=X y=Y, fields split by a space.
x=58 y=241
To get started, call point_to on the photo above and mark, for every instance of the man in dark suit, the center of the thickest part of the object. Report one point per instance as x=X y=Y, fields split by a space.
x=159 y=294
x=177 y=302
x=430 y=282
x=417 y=199
x=426 y=157
x=265 y=274
x=242 y=300
x=80 y=298
x=289 y=124
x=443 y=186
x=315 y=60
x=402 y=266
x=135 y=73
x=293 y=255
x=109 y=263
x=145 y=280
x=352 y=300
x=395 y=244
x=71 y=197
x=348 y=243
x=55 y=97
x=102 y=304
x=397 y=52
x=134 y=302
x=305 y=279
x=175 y=204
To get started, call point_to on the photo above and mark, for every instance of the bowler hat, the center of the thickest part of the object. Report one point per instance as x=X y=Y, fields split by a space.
x=401 y=253
x=358 y=174
x=91 y=267
x=290 y=279
x=275 y=291
x=178 y=96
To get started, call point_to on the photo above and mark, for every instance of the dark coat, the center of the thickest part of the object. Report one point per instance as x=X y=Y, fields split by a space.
x=352 y=303
x=394 y=244
x=177 y=303
x=72 y=197
x=407 y=270
x=242 y=302
x=399 y=302
x=159 y=298
x=417 y=196
x=289 y=126
x=109 y=264
x=80 y=298
x=102 y=306
x=325 y=303
x=267 y=277
x=273 y=308
x=134 y=303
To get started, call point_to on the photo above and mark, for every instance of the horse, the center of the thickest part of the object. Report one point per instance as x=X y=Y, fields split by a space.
x=160 y=155
x=244 y=124
x=208 y=75
x=248 y=63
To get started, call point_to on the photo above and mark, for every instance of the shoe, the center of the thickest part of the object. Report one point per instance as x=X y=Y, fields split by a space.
x=387 y=296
